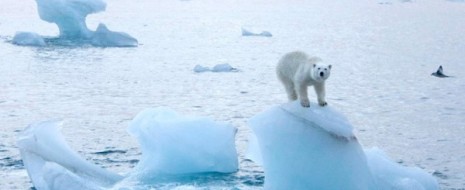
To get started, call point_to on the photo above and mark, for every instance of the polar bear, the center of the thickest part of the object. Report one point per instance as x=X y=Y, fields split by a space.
x=296 y=70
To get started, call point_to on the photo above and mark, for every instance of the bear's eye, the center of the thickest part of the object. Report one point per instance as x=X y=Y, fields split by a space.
x=326 y=69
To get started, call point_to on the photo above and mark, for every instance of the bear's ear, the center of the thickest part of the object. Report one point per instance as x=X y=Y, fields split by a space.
x=329 y=66
x=314 y=65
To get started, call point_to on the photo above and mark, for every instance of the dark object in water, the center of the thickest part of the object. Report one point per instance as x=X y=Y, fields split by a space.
x=439 y=73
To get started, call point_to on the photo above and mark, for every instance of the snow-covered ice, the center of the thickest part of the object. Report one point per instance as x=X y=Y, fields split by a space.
x=309 y=149
x=28 y=39
x=176 y=144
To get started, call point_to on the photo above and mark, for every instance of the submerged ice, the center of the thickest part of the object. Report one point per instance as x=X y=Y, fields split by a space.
x=315 y=149
x=70 y=17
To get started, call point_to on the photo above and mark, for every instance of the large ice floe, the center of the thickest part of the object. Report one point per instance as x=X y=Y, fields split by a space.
x=70 y=17
x=314 y=148
x=172 y=146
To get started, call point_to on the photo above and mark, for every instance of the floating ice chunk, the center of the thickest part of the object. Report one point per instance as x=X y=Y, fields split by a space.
x=201 y=69
x=223 y=68
x=391 y=175
x=28 y=39
x=246 y=32
x=302 y=154
x=217 y=68
x=314 y=148
x=106 y=38
x=69 y=15
x=51 y=164
x=174 y=144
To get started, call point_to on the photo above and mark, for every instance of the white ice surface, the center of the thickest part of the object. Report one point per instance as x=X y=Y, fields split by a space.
x=304 y=150
x=28 y=39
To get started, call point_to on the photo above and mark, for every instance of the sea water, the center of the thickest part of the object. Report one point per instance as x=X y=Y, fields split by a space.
x=382 y=56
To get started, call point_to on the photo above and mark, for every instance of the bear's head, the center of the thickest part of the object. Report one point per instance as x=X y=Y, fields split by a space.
x=321 y=72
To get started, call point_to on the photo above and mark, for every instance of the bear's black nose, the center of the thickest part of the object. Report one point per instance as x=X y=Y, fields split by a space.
x=322 y=74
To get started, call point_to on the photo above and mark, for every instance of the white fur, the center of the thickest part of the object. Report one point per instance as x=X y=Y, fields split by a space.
x=297 y=71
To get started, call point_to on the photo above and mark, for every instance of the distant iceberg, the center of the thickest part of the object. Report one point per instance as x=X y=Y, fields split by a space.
x=246 y=32
x=28 y=39
x=70 y=17
x=224 y=67
x=314 y=148
x=104 y=37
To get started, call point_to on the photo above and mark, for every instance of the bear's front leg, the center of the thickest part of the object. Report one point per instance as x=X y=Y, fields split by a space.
x=320 y=92
x=303 y=96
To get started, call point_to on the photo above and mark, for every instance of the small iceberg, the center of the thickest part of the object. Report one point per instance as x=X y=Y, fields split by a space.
x=174 y=144
x=28 y=39
x=201 y=69
x=314 y=148
x=217 y=68
x=246 y=32
x=70 y=17
x=51 y=164
x=106 y=38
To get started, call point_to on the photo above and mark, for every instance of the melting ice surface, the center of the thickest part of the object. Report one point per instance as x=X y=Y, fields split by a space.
x=70 y=17
x=315 y=149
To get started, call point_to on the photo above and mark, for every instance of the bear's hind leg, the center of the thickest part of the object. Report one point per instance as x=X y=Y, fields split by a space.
x=290 y=90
